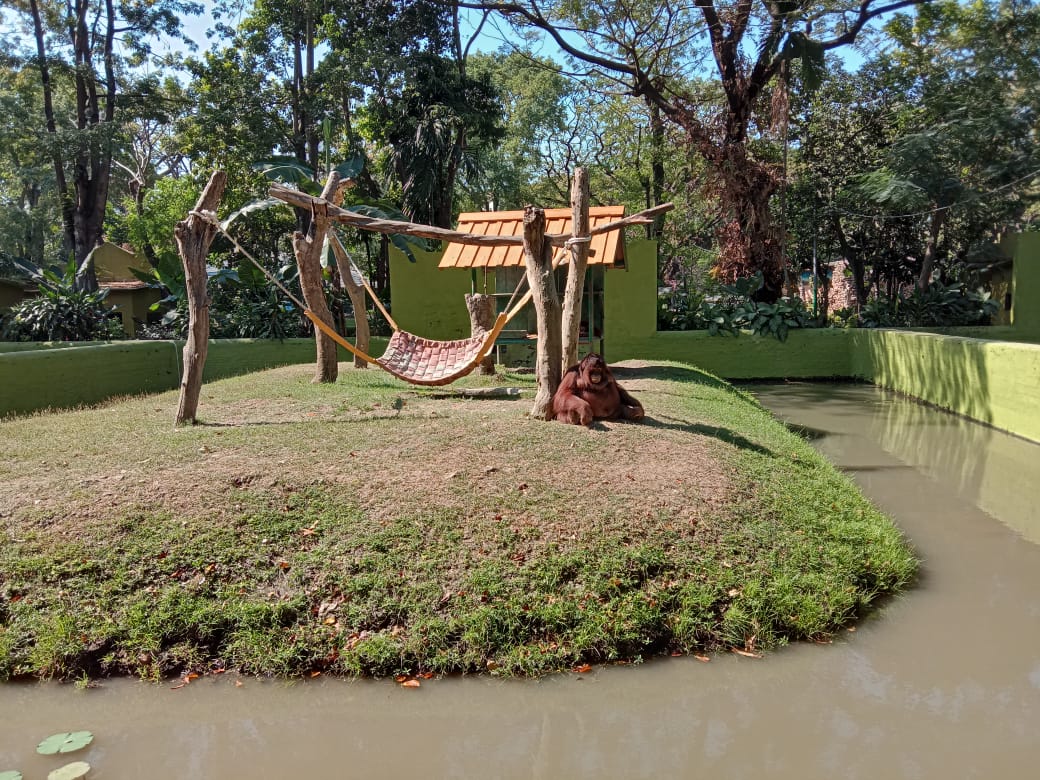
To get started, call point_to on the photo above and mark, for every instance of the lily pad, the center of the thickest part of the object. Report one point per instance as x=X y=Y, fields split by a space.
x=11 y=774
x=73 y=771
x=65 y=742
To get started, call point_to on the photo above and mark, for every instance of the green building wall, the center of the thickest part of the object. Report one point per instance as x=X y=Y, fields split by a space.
x=1025 y=286
x=428 y=301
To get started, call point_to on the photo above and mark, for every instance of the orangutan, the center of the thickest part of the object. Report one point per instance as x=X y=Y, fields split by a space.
x=589 y=392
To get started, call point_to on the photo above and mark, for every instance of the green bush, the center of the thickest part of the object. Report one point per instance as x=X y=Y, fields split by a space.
x=60 y=312
x=733 y=310
x=940 y=305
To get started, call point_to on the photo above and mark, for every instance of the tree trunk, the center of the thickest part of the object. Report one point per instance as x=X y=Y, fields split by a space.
x=934 y=228
x=572 y=298
x=307 y=248
x=542 y=281
x=194 y=236
x=854 y=259
x=356 y=293
x=655 y=230
x=481 y=319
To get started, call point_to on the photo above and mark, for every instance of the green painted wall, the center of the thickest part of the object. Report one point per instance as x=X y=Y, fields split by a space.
x=630 y=298
x=428 y=301
x=806 y=354
x=59 y=376
x=1025 y=286
x=995 y=382
x=31 y=346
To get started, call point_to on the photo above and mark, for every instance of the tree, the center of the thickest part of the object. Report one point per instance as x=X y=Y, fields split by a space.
x=77 y=40
x=916 y=164
x=646 y=48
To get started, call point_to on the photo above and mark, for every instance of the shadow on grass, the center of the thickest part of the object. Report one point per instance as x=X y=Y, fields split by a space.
x=806 y=432
x=686 y=374
x=716 y=432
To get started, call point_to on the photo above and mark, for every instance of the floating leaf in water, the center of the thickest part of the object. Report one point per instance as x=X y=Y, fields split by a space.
x=73 y=771
x=11 y=774
x=65 y=742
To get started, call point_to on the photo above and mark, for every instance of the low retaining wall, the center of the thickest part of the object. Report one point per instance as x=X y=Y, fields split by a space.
x=63 y=375
x=995 y=382
x=807 y=354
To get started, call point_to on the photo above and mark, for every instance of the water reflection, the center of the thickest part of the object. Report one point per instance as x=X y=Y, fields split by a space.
x=996 y=472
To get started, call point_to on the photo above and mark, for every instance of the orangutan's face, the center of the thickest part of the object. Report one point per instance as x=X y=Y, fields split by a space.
x=593 y=369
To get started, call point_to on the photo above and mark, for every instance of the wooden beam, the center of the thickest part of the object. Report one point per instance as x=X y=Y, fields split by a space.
x=336 y=214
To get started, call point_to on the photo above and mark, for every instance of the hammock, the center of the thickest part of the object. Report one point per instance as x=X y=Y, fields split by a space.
x=422 y=361
x=416 y=360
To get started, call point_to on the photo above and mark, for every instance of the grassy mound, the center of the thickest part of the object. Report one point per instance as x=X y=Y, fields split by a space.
x=373 y=528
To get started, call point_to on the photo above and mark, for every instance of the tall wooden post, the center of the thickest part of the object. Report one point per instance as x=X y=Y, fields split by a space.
x=356 y=293
x=307 y=249
x=546 y=299
x=481 y=319
x=576 y=273
x=194 y=236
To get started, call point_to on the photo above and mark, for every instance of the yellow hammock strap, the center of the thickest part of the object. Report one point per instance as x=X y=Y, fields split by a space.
x=340 y=251
x=332 y=334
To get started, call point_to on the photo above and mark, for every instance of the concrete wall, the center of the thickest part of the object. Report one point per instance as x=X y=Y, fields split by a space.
x=56 y=376
x=995 y=382
x=1025 y=286
x=427 y=301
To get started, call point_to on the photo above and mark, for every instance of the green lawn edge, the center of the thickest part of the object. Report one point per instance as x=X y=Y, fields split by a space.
x=301 y=577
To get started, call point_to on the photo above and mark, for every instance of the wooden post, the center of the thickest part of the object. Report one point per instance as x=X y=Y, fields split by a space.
x=576 y=273
x=542 y=281
x=307 y=249
x=481 y=319
x=356 y=293
x=194 y=235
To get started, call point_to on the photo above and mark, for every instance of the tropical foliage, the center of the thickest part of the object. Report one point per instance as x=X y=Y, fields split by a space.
x=910 y=159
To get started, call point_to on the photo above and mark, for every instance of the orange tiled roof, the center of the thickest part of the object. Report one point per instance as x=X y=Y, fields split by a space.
x=607 y=248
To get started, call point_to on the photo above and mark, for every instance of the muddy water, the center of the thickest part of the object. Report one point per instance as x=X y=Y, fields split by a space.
x=943 y=682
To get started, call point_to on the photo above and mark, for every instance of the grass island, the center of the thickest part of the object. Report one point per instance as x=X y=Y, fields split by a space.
x=372 y=528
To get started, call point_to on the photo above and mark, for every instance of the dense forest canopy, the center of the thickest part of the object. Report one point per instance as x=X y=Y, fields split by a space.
x=899 y=137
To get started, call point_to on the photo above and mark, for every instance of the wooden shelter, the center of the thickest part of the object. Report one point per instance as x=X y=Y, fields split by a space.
x=506 y=265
